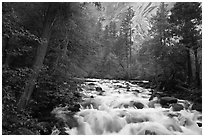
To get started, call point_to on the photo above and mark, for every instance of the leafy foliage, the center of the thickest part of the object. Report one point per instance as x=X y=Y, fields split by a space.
x=13 y=81
x=54 y=86
x=104 y=40
x=166 y=57
x=186 y=17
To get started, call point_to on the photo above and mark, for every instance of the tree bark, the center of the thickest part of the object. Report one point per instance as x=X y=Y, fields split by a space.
x=189 y=80
x=197 y=69
x=130 y=50
x=4 y=44
x=127 y=58
x=7 y=60
x=40 y=55
x=7 y=49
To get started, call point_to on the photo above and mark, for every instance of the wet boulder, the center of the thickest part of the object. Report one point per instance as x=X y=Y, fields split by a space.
x=166 y=101
x=90 y=103
x=199 y=124
x=101 y=93
x=171 y=115
x=138 y=105
x=177 y=107
x=99 y=89
x=91 y=84
x=125 y=105
x=136 y=90
x=149 y=132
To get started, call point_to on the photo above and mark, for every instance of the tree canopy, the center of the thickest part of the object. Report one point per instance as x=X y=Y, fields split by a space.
x=46 y=47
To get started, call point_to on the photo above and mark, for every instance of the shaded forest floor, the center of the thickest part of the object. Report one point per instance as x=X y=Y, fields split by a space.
x=50 y=91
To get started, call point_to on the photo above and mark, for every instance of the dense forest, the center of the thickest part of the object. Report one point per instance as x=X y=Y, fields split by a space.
x=48 y=47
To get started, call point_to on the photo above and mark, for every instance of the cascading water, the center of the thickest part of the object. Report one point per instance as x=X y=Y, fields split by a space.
x=118 y=110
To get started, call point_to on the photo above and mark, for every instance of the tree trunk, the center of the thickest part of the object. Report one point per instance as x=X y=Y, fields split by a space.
x=130 y=50
x=7 y=50
x=4 y=44
x=40 y=55
x=197 y=69
x=7 y=60
x=5 y=55
x=189 y=80
x=127 y=58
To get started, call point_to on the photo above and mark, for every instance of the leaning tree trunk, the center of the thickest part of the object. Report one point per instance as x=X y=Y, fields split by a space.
x=197 y=69
x=40 y=55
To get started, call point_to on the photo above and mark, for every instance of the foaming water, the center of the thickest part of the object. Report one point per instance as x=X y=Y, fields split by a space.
x=118 y=111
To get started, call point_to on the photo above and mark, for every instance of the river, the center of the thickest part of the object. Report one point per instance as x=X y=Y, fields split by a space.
x=116 y=107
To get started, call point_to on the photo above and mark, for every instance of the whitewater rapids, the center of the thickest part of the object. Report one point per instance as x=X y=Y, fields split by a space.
x=113 y=112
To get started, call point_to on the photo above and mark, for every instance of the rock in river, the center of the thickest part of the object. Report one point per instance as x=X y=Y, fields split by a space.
x=99 y=89
x=177 y=107
x=165 y=101
x=138 y=105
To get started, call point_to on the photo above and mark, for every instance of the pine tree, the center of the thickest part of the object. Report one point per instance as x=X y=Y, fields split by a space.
x=126 y=32
x=160 y=24
x=186 y=17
